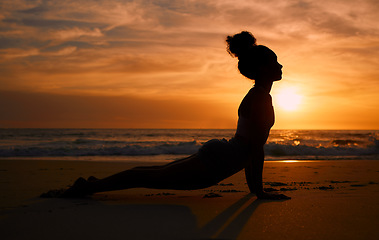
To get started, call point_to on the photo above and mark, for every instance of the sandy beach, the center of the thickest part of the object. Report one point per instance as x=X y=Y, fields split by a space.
x=330 y=200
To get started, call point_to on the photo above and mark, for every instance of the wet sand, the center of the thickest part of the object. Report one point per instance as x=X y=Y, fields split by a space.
x=330 y=200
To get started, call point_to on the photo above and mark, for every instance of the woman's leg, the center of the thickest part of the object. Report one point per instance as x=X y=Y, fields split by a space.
x=184 y=174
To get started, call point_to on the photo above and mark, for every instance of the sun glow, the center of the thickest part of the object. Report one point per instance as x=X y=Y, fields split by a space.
x=288 y=99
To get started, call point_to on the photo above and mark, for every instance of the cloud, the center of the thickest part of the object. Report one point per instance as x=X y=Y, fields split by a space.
x=18 y=53
x=65 y=51
x=74 y=33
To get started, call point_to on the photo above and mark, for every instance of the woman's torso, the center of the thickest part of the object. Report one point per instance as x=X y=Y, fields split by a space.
x=256 y=116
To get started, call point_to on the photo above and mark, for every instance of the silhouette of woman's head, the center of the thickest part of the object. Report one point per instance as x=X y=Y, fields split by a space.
x=256 y=62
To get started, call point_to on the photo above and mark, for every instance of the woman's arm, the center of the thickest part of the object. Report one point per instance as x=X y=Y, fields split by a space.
x=253 y=173
x=254 y=170
x=261 y=116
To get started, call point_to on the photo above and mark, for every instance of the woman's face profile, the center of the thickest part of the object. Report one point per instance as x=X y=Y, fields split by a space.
x=272 y=69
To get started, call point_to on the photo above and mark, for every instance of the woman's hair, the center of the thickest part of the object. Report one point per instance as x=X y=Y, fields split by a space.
x=244 y=46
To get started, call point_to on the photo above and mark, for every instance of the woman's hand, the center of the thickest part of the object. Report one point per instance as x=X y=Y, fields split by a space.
x=272 y=196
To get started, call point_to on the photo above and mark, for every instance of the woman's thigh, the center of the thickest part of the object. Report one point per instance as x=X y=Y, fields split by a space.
x=188 y=173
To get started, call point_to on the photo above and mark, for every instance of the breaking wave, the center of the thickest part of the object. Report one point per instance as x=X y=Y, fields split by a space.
x=89 y=147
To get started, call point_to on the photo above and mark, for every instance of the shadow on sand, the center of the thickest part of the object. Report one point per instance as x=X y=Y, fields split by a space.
x=229 y=223
x=90 y=219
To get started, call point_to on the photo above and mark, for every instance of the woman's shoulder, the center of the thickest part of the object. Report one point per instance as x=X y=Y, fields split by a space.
x=254 y=101
x=258 y=95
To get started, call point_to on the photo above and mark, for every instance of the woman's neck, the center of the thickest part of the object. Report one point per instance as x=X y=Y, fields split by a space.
x=265 y=86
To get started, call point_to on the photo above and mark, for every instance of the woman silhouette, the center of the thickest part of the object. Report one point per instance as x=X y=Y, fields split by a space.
x=216 y=159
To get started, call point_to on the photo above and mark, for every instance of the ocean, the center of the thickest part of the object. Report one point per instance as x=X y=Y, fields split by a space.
x=169 y=144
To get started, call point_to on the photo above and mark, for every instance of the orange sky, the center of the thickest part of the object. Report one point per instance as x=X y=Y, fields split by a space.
x=163 y=64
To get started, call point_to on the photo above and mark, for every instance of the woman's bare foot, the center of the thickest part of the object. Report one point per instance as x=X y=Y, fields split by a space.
x=79 y=189
x=92 y=179
x=55 y=193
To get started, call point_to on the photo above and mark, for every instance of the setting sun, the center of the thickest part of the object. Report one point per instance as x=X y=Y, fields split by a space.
x=288 y=99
